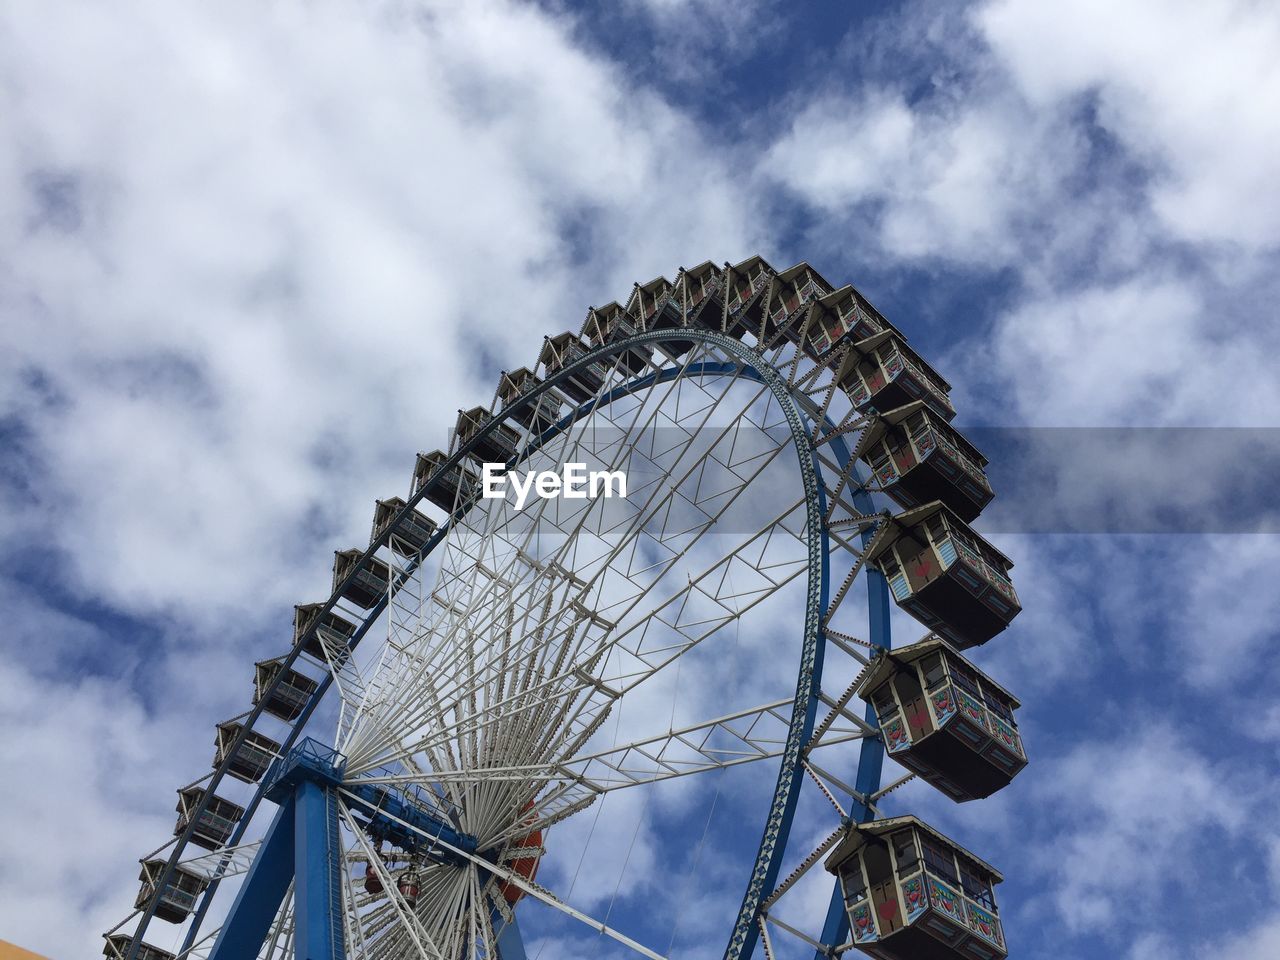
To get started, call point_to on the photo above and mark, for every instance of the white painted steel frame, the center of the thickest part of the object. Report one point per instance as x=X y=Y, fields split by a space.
x=353 y=688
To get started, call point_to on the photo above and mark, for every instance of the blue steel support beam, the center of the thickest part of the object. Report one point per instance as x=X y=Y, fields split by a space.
x=262 y=892
x=510 y=943
x=301 y=845
x=383 y=808
x=317 y=892
x=835 y=930
x=777 y=832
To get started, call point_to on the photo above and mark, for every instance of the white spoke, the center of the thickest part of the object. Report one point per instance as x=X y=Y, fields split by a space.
x=529 y=888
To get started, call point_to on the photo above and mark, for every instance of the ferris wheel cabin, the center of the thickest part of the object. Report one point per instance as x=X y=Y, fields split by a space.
x=842 y=316
x=248 y=762
x=746 y=286
x=178 y=898
x=917 y=457
x=332 y=638
x=285 y=698
x=117 y=948
x=944 y=719
x=497 y=446
x=214 y=825
x=410 y=535
x=449 y=488
x=514 y=384
x=789 y=296
x=370 y=580
x=658 y=305
x=650 y=301
x=913 y=894
x=700 y=291
x=945 y=575
x=611 y=322
x=561 y=351
x=883 y=372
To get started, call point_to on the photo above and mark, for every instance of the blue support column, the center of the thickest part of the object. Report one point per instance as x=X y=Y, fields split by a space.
x=510 y=943
x=261 y=894
x=301 y=845
x=835 y=930
x=317 y=892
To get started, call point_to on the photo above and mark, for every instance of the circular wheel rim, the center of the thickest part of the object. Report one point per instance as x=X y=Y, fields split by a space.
x=775 y=835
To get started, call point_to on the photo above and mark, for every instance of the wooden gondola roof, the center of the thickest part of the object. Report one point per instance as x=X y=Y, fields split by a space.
x=881 y=422
x=750 y=262
x=151 y=870
x=435 y=458
x=863 y=348
x=706 y=266
x=789 y=274
x=858 y=833
x=883 y=665
x=514 y=380
x=558 y=343
x=605 y=311
x=657 y=283
x=231 y=729
x=831 y=301
x=901 y=524
x=193 y=793
x=600 y=317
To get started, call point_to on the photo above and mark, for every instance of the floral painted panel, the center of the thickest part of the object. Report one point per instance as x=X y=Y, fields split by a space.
x=971 y=709
x=945 y=900
x=925 y=444
x=895 y=736
x=863 y=927
x=944 y=704
x=1006 y=736
x=914 y=896
x=985 y=924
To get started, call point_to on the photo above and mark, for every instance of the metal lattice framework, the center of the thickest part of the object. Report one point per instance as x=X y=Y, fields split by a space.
x=478 y=723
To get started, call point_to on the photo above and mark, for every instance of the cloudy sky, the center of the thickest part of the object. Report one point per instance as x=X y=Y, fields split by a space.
x=254 y=256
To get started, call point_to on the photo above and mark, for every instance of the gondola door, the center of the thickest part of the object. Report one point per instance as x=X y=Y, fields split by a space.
x=884 y=891
x=913 y=706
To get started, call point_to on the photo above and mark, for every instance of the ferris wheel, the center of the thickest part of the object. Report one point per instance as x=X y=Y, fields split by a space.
x=635 y=574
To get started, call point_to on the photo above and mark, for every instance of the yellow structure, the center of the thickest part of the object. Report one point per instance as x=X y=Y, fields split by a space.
x=9 y=952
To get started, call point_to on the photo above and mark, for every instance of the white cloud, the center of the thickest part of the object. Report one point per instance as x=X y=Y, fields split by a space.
x=837 y=154
x=693 y=36
x=1260 y=942
x=1193 y=89
x=988 y=159
x=259 y=260
x=1127 y=815
x=1122 y=353
x=1223 y=637
x=955 y=179
x=80 y=803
